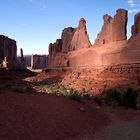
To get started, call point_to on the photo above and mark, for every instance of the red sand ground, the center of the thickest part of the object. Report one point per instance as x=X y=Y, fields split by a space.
x=47 y=117
x=44 y=117
x=32 y=116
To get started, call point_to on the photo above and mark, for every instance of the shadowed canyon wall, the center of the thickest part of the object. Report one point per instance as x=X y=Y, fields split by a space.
x=111 y=45
x=8 y=54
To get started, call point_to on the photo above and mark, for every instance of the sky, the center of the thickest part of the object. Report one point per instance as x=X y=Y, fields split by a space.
x=36 y=23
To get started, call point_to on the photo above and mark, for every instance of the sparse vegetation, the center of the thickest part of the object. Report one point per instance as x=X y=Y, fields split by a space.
x=127 y=99
x=112 y=96
x=61 y=90
x=17 y=88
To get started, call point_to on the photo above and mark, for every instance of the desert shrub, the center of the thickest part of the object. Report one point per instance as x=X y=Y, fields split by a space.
x=18 y=88
x=78 y=96
x=112 y=96
x=129 y=98
x=75 y=96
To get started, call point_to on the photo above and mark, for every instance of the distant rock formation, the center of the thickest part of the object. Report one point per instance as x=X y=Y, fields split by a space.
x=22 y=61
x=114 y=29
x=38 y=61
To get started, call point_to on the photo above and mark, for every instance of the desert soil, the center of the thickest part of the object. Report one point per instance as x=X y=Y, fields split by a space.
x=48 y=117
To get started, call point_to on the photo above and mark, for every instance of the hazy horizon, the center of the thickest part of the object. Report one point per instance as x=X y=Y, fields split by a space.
x=36 y=23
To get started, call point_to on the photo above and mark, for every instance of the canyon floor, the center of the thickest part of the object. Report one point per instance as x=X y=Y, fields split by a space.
x=28 y=115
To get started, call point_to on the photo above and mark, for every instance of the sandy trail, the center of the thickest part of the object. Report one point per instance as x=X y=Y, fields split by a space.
x=122 y=130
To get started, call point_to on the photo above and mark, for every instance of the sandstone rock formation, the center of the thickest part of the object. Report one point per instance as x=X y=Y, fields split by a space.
x=67 y=36
x=119 y=31
x=114 y=29
x=80 y=38
x=8 y=51
x=8 y=54
x=22 y=61
x=71 y=39
x=114 y=46
x=21 y=53
x=38 y=61
x=136 y=27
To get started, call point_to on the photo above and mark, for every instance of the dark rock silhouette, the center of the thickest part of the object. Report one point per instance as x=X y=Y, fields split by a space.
x=8 y=50
x=8 y=54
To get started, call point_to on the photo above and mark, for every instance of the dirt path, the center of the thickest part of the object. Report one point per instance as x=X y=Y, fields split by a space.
x=121 y=130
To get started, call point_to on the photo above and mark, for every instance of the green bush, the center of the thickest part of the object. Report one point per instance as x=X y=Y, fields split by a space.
x=75 y=96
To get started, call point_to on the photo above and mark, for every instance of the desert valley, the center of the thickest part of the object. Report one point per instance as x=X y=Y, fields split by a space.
x=79 y=91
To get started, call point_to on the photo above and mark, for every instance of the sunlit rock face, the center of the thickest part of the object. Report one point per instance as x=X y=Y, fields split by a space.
x=119 y=31
x=105 y=36
x=136 y=27
x=111 y=46
x=67 y=36
x=80 y=38
x=114 y=29
x=72 y=39
x=131 y=51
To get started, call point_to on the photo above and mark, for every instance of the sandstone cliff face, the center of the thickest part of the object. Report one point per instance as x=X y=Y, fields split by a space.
x=114 y=46
x=8 y=54
x=114 y=29
x=67 y=36
x=105 y=35
x=80 y=38
x=71 y=39
x=8 y=48
x=136 y=27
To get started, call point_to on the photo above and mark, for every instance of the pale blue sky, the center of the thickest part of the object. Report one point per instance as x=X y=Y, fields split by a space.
x=36 y=23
